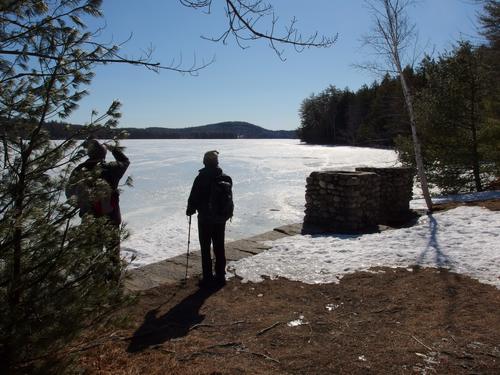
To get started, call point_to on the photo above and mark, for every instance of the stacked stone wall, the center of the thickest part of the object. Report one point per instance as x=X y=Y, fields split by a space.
x=342 y=201
x=346 y=201
x=396 y=192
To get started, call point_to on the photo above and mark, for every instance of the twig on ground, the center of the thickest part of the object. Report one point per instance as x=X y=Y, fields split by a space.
x=163 y=349
x=265 y=356
x=203 y=351
x=237 y=322
x=89 y=345
x=421 y=343
x=261 y=332
x=238 y=346
x=82 y=349
x=200 y=325
x=168 y=351
x=489 y=354
x=225 y=345
x=195 y=354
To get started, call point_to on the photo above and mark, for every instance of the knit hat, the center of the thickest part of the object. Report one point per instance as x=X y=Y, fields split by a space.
x=211 y=158
x=95 y=150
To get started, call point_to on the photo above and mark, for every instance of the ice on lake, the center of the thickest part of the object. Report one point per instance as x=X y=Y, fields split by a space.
x=269 y=179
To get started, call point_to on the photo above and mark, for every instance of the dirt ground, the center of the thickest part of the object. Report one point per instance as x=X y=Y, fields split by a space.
x=390 y=321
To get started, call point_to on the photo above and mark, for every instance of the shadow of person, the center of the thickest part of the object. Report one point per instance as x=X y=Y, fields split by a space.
x=441 y=259
x=449 y=288
x=174 y=323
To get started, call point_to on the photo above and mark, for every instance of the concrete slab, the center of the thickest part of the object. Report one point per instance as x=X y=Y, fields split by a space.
x=153 y=275
x=173 y=270
x=290 y=230
x=233 y=254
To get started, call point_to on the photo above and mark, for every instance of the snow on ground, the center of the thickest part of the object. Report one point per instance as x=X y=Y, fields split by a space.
x=464 y=240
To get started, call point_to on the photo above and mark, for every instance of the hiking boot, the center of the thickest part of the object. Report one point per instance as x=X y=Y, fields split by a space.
x=220 y=280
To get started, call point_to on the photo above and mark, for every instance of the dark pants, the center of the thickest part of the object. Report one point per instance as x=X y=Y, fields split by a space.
x=112 y=246
x=212 y=233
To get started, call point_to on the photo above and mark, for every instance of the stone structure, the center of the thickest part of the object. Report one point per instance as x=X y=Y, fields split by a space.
x=396 y=192
x=348 y=202
x=342 y=201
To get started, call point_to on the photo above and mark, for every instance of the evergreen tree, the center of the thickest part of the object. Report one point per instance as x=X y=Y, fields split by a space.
x=320 y=119
x=52 y=272
x=490 y=135
x=387 y=117
x=490 y=22
x=451 y=115
x=359 y=110
x=372 y=116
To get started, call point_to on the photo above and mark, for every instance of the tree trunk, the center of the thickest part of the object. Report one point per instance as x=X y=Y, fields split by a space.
x=15 y=284
x=416 y=143
x=475 y=159
x=475 y=153
x=394 y=31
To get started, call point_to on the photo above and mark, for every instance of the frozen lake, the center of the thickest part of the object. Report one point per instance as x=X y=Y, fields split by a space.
x=269 y=179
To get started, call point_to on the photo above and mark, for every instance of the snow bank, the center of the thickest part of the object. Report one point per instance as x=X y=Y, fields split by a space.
x=464 y=240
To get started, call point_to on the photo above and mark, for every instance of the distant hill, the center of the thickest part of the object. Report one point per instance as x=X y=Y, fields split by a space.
x=221 y=130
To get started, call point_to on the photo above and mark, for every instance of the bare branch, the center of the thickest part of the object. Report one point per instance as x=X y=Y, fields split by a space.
x=155 y=66
x=244 y=18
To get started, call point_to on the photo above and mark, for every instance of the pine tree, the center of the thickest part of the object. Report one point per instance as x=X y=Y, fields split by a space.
x=52 y=270
x=387 y=117
x=451 y=110
x=490 y=135
x=490 y=23
x=326 y=117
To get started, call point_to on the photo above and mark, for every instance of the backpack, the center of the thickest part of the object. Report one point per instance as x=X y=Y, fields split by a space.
x=98 y=197
x=220 y=203
x=105 y=204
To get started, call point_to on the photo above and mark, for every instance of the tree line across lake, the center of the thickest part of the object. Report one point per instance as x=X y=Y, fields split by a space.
x=457 y=108
x=221 y=130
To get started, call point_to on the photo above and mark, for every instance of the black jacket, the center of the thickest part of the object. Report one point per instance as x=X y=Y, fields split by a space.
x=110 y=172
x=200 y=192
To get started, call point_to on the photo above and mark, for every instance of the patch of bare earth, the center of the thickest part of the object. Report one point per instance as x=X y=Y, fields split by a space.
x=491 y=204
x=392 y=321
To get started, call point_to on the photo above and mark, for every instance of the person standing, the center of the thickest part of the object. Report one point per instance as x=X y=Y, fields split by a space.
x=94 y=185
x=211 y=197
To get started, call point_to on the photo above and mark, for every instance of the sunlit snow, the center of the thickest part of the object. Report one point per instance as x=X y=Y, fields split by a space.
x=333 y=306
x=297 y=322
x=464 y=240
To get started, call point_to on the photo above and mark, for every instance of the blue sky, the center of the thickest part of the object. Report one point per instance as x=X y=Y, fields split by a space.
x=253 y=84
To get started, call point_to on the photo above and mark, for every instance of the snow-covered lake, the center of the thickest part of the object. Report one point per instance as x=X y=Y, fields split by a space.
x=269 y=187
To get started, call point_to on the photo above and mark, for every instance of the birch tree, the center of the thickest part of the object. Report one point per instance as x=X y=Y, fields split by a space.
x=391 y=38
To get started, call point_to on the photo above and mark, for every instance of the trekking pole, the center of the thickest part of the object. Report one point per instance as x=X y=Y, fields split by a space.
x=187 y=255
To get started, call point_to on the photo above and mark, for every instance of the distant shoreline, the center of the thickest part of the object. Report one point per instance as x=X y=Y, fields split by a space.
x=223 y=130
